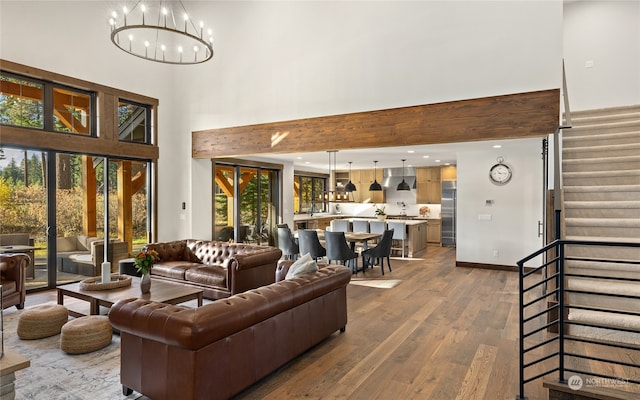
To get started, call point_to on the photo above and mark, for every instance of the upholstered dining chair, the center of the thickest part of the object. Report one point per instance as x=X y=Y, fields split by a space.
x=377 y=227
x=308 y=242
x=360 y=225
x=340 y=225
x=380 y=252
x=399 y=235
x=339 y=250
x=287 y=243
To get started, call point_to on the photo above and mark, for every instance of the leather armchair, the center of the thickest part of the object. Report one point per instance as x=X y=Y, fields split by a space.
x=13 y=268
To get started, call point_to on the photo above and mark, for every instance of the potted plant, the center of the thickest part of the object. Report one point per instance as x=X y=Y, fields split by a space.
x=380 y=213
x=144 y=262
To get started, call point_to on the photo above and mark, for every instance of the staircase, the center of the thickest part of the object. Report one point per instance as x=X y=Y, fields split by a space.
x=601 y=187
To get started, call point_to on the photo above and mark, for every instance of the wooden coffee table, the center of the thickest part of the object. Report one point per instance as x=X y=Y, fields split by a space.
x=162 y=292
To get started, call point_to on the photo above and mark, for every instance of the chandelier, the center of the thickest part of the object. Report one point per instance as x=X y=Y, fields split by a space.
x=161 y=31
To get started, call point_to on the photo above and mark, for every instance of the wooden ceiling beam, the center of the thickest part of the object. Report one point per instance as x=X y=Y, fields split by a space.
x=530 y=114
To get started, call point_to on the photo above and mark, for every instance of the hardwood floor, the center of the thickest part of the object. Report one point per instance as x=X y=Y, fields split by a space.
x=442 y=332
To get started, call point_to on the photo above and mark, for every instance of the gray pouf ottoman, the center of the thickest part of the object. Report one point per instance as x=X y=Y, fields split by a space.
x=86 y=334
x=42 y=321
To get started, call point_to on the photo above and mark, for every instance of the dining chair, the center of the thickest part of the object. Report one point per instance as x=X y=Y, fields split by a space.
x=380 y=252
x=339 y=250
x=287 y=243
x=360 y=225
x=377 y=227
x=340 y=225
x=399 y=235
x=308 y=242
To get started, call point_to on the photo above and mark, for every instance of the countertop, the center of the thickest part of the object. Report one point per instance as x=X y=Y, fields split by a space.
x=307 y=217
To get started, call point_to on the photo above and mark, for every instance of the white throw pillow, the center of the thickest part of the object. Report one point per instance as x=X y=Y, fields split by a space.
x=301 y=266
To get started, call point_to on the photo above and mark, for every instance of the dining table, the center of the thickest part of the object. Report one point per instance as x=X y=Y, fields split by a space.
x=353 y=238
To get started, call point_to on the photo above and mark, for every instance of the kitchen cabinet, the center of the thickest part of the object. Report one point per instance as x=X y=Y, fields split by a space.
x=428 y=181
x=417 y=237
x=434 y=232
x=448 y=173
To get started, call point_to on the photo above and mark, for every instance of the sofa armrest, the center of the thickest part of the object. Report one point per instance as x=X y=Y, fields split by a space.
x=14 y=267
x=268 y=255
x=165 y=323
x=282 y=269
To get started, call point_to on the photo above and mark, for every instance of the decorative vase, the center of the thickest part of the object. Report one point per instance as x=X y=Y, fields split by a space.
x=382 y=217
x=145 y=283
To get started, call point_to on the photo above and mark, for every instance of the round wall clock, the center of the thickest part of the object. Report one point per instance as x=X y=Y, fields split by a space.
x=500 y=173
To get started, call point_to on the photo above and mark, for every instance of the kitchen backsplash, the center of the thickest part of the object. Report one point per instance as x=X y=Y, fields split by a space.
x=368 y=209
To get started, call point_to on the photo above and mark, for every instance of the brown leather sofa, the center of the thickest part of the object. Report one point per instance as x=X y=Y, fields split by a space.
x=217 y=350
x=221 y=269
x=13 y=267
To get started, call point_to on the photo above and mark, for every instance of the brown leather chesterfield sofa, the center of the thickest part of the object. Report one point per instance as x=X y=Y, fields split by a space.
x=219 y=349
x=13 y=267
x=221 y=269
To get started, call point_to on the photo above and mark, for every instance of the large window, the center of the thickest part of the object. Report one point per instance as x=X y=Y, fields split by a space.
x=32 y=103
x=134 y=122
x=307 y=193
x=21 y=102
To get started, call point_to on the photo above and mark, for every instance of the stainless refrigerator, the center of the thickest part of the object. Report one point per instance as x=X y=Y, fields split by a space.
x=448 y=213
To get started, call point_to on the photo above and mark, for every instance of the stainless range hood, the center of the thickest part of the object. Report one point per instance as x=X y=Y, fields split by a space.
x=393 y=176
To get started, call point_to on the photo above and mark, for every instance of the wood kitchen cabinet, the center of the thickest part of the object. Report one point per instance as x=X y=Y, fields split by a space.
x=434 y=231
x=428 y=185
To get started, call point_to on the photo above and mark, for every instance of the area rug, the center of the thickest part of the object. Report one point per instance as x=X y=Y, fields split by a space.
x=54 y=374
x=376 y=283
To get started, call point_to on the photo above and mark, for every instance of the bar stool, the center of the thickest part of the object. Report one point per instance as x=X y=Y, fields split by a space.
x=399 y=234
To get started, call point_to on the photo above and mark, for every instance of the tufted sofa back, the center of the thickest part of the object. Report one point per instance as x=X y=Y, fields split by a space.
x=205 y=251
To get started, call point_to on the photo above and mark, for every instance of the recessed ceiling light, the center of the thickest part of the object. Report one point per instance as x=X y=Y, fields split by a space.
x=299 y=158
x=497 y=146
x=307 y=162
x=411 y=151
x=447 y=163
x=437 y=160
x=425 y=156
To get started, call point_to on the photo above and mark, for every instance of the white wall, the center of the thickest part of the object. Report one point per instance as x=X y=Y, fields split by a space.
x=602 y=53
x=512 y=229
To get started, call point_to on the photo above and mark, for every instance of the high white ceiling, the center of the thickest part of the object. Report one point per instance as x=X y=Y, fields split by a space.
x=389 y=157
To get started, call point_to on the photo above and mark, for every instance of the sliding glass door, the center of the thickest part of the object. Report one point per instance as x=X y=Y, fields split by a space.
x=245 y=197
x=66 y=204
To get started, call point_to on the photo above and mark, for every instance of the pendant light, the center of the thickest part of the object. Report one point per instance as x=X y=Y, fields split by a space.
x=375 y=186
x=350 y=187
x=403 y=185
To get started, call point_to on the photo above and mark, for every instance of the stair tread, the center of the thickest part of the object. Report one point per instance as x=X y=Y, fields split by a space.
x=602 y=188
x=601 y=159
x=602 y=204
x=604 y=239
x=603 y=147
x=594 y=174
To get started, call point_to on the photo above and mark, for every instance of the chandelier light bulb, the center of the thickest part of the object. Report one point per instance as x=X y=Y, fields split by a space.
x=143 y=8
x=164 y=11
x=195 y=49
x=114 y=14
x=125 y=10
x=146 y=43
x=179 y=49
x=163 y=47
x=131 y=37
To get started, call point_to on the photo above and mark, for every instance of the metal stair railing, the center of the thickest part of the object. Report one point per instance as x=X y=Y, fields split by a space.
x=547 y=281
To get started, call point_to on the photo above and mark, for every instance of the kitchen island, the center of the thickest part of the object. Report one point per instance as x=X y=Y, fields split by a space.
x=417 y=229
